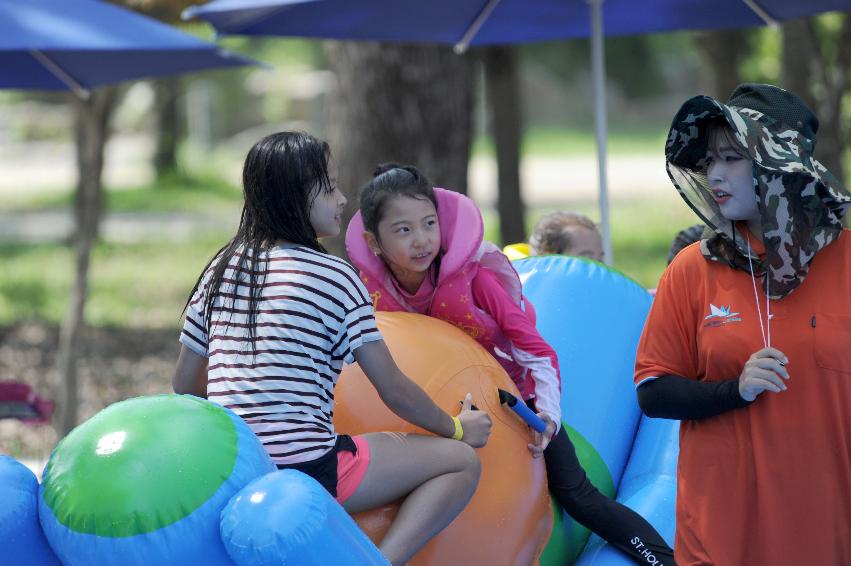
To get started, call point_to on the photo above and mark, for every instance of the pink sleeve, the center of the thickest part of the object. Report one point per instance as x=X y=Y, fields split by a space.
x=528 y=348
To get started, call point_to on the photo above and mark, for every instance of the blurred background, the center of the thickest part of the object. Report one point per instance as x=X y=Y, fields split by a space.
x=174 y=154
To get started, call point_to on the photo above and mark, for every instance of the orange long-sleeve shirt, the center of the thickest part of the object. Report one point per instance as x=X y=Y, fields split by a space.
x=768 y=484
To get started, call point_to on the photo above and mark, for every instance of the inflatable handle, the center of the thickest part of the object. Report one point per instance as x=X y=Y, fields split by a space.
x=522 y=411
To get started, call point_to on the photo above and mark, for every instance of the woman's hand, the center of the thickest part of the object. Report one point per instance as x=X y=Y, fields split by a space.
x=542 y=440
x=764 y=371
x=475 y=424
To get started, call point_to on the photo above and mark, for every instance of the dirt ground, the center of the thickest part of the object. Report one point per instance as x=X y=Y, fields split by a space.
x=114 y=364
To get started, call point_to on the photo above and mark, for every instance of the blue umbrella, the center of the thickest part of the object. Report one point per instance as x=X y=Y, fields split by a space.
x=488 y=22
x=82 y=44
x=79 y=45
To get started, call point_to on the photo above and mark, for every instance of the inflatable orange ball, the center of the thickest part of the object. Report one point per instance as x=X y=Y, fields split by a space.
x=509 y=519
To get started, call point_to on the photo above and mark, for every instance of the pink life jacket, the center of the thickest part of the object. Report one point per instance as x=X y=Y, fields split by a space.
x=464 y=252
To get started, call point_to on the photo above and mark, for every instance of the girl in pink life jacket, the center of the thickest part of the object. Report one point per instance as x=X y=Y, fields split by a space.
x=420 y=249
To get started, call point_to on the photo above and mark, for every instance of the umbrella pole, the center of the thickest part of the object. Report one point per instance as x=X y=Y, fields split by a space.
x=58 y=72
x=598 y=73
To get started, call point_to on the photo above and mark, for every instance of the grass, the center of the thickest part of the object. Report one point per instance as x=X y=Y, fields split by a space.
x=172 y=194
x=140 y=285
x=547 y=142
x=642 y=232
x=146 y=284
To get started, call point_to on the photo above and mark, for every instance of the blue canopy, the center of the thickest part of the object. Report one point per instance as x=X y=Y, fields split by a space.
x=81 y=44
x=486 y=22
x=504 y=21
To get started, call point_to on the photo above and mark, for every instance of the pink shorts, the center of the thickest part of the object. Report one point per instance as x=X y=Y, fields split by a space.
x=351 y=468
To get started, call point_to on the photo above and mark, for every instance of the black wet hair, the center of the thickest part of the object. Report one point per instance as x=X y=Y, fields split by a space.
x=282 y=175
x=685 y=238
x=389 y=181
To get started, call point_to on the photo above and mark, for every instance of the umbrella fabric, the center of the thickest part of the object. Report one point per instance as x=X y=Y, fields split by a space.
x=511 y=21
x=57 y=44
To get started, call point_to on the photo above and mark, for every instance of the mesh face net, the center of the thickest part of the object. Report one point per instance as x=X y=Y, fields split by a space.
x=693 y=186
x=802 y=205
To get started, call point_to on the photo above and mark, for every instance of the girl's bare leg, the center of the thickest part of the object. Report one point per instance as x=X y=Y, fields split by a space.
x=438 y=476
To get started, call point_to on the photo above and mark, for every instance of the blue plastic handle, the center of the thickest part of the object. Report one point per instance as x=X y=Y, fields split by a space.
x=522 y=411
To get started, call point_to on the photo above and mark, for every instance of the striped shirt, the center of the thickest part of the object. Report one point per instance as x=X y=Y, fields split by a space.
x=313 y=313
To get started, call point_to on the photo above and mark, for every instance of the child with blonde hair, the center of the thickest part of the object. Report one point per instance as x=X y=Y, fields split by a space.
x=566 y=233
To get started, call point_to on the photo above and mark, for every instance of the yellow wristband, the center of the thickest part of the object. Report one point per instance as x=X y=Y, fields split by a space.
x=459 y=432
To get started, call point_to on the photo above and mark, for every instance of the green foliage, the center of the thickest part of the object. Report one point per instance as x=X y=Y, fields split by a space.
x=250 y=97
x=828 y=29
x=762 y=62
x=173 y=193
x=140 y=285
x=282 y=52
x=543 y=141
x=147 y=284
x=35 y=282
x=176 y=193
x=634 y=63
x=642 y=232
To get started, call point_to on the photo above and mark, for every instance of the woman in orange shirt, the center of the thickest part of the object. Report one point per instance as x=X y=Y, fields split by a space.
x=749 y=338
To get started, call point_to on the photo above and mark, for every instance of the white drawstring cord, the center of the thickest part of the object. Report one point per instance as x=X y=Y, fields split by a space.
x=766 y=339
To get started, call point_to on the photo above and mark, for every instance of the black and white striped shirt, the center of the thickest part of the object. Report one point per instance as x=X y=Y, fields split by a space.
x=313 y=313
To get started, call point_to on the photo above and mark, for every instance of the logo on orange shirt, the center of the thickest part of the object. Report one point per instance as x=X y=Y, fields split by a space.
x=720 y=315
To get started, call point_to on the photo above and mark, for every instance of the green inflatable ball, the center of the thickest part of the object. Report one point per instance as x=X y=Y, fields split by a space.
x=569 y=537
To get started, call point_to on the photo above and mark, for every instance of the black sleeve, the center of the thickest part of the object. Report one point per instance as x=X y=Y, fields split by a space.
x=675 y=397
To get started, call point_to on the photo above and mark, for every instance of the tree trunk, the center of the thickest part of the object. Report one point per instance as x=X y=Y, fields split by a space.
x=403 y=103
x=92 y=117
x=797 y=60
x=169 y=131
x=503 y=93
x=722 y=51
x=820 y=83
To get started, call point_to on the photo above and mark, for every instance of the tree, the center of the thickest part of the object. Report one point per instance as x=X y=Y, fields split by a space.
x=723 y=52
x=503 y=94
x=163 y=10
x=167 y=93
x=815 y=65
x=91 y=132
x=92 y=117
x=411 y=104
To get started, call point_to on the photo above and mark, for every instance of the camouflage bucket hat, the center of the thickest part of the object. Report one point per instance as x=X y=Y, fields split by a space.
x=801 y=203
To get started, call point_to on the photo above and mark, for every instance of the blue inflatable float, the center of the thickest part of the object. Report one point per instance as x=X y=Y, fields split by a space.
x=175 y=479
x=593 y=317
x=287 y=517
x=649 y=486
x=21 y=539
x=171 y=479
x=145 y=480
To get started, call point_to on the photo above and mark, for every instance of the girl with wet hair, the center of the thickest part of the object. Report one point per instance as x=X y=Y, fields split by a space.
x=269 y=325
